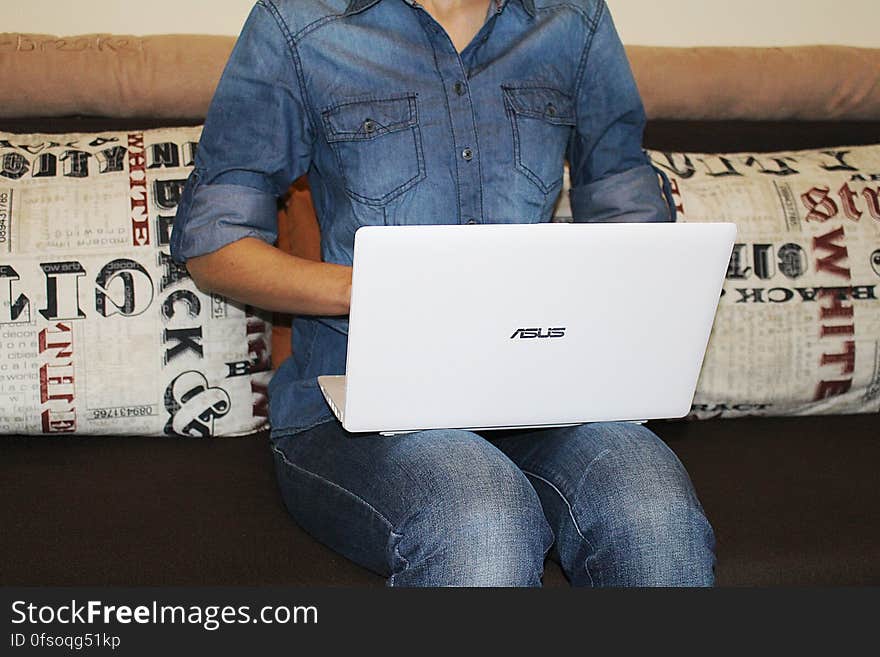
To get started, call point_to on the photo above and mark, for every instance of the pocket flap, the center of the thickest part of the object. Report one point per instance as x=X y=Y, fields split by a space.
x=545 y=103
x=370 y=118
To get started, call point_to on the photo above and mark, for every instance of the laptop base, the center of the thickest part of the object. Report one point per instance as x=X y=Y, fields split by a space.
x=333 y=388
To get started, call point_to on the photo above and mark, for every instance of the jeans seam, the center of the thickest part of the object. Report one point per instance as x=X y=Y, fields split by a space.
x=569 y=506
x=593 y=22
x=293 y=50
x=397 y=554
x=360 y=499
x=284 y=432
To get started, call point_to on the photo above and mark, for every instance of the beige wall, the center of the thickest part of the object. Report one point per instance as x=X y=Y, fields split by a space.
x=667 y=22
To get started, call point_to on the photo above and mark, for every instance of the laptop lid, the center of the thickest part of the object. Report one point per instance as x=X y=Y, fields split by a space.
x=529 y=324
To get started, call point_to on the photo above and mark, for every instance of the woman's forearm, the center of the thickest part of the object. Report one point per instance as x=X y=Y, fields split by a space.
x=255 y=273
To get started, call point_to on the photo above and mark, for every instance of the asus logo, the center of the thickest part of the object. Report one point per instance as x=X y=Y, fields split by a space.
x=527 y=333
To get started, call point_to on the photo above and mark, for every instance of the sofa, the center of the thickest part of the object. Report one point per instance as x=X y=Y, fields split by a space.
x=791 y=495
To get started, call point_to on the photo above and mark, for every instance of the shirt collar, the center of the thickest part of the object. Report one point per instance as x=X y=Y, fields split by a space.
x=355 y=6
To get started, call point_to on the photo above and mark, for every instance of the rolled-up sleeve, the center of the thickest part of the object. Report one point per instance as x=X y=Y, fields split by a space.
x=612 y=179
x=256 y=140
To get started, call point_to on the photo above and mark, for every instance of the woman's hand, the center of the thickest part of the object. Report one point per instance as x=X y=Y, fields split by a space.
x=258 y=274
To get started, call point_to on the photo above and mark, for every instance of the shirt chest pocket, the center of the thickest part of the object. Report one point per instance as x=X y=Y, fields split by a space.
x=542 y=119
x=378 y=146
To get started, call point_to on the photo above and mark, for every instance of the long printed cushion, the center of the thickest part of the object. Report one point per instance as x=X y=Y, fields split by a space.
x=797 y=330
x=101 y=332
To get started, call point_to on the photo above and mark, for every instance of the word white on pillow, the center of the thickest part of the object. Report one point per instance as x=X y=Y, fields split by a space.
x=101 y=332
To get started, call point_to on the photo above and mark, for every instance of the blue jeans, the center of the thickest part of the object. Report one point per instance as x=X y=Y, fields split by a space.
x=456 y=508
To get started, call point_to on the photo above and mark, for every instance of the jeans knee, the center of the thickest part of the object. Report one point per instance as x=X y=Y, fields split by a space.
x=483 y=526
x=662 y=538
x=643 y=519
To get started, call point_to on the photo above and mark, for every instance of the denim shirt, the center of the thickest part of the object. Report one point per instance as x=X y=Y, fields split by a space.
x=394 y=126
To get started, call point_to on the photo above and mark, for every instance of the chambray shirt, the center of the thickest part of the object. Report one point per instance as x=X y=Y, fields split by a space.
x=394 y=126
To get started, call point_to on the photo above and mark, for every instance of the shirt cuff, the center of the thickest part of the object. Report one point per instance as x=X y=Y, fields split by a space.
x=219 y=214
x=632 y=196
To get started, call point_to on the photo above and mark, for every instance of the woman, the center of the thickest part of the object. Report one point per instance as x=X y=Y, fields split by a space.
x=405 y=112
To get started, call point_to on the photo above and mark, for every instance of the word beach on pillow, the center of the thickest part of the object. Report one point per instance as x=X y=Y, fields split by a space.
x=101 y=332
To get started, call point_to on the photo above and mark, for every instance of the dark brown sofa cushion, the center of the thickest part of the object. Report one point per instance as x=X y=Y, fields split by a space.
x=793 y=502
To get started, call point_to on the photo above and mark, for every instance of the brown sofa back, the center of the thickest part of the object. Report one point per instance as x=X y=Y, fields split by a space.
x=169 y=76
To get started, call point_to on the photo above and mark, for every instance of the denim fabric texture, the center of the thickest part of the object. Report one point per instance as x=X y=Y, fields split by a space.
x=454 y=508
x=394 y=126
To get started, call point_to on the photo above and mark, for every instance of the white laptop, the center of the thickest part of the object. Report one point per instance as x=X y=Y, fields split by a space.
x=527 y=325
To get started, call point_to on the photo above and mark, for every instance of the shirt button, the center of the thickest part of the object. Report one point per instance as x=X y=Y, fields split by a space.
x=467 y=154
x=458 y=87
